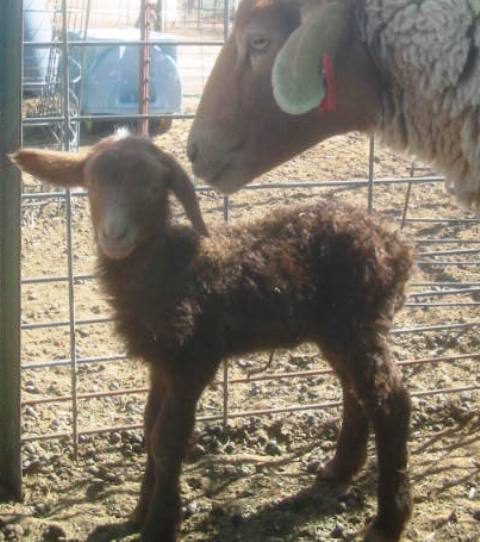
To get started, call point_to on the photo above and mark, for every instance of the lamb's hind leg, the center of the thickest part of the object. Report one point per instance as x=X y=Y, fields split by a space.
x=378 y=385
x=351 y=452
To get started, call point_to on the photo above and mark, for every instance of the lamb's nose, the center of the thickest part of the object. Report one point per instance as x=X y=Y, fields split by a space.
x=192 y=152
x=115 y=232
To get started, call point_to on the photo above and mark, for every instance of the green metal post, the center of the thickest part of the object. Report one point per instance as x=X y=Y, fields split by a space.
x=11 y=37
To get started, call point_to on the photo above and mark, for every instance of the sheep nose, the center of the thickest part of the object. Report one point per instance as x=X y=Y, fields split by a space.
x=115 y=232
x=192 y=151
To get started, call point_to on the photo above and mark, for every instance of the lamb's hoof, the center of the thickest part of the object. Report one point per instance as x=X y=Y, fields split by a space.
x=332 y=472
x=154 y=534
x=137 y=517
x=376 y=534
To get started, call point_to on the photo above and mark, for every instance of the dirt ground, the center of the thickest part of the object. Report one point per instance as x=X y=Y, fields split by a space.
x=256 y=480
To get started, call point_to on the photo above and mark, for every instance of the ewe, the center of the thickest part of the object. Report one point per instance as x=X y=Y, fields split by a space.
x=183 y=301
x=295 y=72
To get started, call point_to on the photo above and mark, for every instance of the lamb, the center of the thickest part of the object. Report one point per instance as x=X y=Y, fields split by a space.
x=185 y=298
x=296 y=72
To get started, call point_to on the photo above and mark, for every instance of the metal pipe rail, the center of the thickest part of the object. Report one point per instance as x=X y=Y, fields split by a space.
x=243 y=414
x=119 y=357
x=107 y=43
x=466 y=285
x=244 y=380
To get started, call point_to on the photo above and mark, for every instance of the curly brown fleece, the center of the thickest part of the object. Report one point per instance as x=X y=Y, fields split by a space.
x=324 y=272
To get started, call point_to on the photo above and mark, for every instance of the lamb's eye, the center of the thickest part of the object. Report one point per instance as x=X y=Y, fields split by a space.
x=259 y=44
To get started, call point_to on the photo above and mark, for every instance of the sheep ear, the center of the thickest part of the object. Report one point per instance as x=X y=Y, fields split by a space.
x=183 y=188
x=297 y=76
x=55 y=167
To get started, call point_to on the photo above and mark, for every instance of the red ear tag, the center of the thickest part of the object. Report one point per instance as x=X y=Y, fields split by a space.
x=329 y=102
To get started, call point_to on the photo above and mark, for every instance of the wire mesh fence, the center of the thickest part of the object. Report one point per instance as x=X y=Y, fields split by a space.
x=76 y=379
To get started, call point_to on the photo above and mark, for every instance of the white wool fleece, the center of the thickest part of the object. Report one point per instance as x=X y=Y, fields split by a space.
x=429 y=54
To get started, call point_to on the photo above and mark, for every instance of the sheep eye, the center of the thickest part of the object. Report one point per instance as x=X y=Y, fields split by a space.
x=259 y=44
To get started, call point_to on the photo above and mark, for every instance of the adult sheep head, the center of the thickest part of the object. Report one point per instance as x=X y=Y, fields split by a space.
x=127 y=180
x=269 y=96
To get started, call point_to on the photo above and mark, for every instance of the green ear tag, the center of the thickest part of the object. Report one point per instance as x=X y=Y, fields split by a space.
x=297 y=76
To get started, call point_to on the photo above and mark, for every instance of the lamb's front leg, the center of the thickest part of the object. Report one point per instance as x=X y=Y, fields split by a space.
x=351 y=450
x=168 y=441
x=152 y=409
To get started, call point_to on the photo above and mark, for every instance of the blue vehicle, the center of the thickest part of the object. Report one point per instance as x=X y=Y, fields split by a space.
x=37 y=27
x=110 y=82
x=104 y=78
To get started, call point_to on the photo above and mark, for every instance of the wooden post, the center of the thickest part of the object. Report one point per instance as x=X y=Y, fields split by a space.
x=11 y=37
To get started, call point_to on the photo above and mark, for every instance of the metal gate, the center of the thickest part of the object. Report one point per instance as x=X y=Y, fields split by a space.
x=448 y=280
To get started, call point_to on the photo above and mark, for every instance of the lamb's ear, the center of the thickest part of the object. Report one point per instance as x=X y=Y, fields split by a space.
x=55 y=167
x=183 y=188
x=297 y=76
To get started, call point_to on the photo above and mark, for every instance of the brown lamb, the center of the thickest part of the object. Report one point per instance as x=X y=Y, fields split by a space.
x=184 y=300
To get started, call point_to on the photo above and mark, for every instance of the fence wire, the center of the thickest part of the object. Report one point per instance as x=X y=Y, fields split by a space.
x=449 y=266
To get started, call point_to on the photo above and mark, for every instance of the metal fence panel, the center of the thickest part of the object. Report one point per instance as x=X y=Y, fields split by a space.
x=432 y=292
x=10 y=196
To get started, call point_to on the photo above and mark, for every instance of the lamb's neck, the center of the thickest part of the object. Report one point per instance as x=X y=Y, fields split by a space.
x=151 y=271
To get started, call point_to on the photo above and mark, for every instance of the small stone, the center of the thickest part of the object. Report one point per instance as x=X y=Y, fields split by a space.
x=131 y=407
x=341 y=507
x=313 y=466
x=191 y=508
x=337 y=531
x=229 y=448
x=272 y=448
x=214 y=430
x=54 y=533
x=472 y=493
x=55 y=424
x=31 y=388
x=197 y=451
x=453 y=517
x=94 y=470
x=14 y=530
x=310 y=420
x=32 y=467
x=245 y=363
x=110 y=477
x=138 y=438
x=115 y=438
x=30 y=449
x=41 y=508
x=30 y=412
x=138 y=448
x=127 y=451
